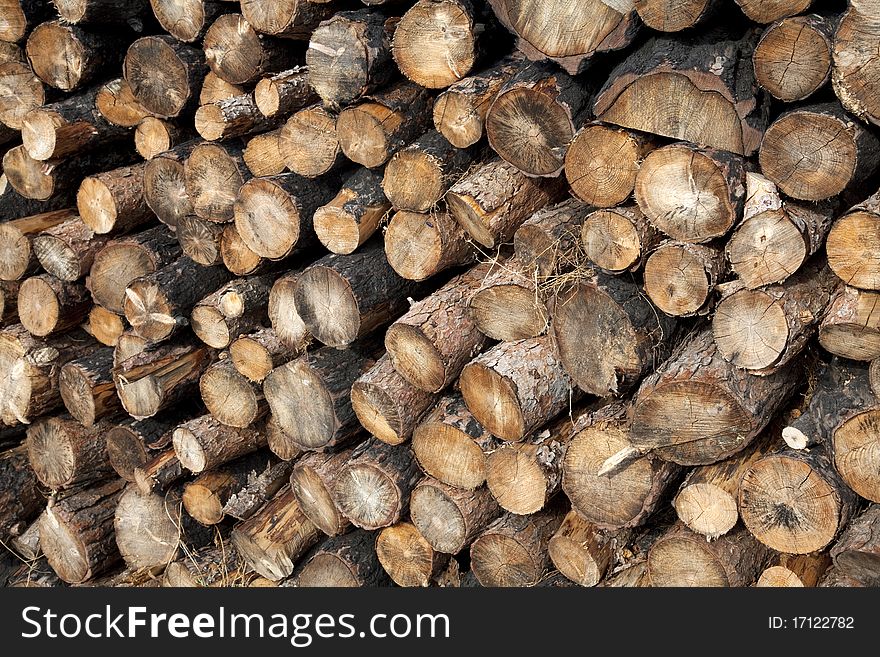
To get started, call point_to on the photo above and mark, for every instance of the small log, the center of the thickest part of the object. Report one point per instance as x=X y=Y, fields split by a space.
x=619 y=239
x=27 y=544
x=203 y=443
x=200 y=240
x=283 y=93
x=857 y=552
x=154 y=136
x=312 y=481
x=17 y=256
x=164 y=74
x=494 y=200
x=115 y=101
x=407 y=557
x=91 y=54
x=419 y=246
x=235 y=308
x=256 y=354
x=767 y=11
x=344 y=561
x=291 y=19
x=87 y=387
x=285 y=320
x=582 y=552
x=237 y=256
x=512 y=551
x=516 y=387
x=101 y=11
x=165 y=185
x=231 y=398
x=263 y=154
x=114 y=201
x=795 y=571
x=672 y=15
x=213 y=175
x=372 y=489
x=20 y=494
x=128 y=345
x=215 y=89
x=186 y=20
x=354 y=214
x=852 y=245
x=132 y=443
x=370 y=132
x=451 y=518
x=22 y=92
x=259 y=487
x=67 y=250
x=8 y=302
x=697 y=408
x=511 y=301
x=232 y=117
x=77 y=533
x=851 y=326
x=451 y=446
x=239 y=54
x=308 y=142
x=126 y=259
x=160 y=472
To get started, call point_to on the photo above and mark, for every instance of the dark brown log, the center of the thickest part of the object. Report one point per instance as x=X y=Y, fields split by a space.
x=235 y=308
x=274 y=539
x=697 y=408
x=213 y=175
x=419 y=246
x=494 y=200
x=273 y=215
x=157 y=304
x=310 y=397
x=239 y=54
x=372 y=489
x=434 y=340
x=308 y=142
x=705 y=87
x=628 y=337
x=672 y=15
x=682 y=558
x=857 y=552
x=125 y=259
x=354 y=214
x=532 y=119
x=17 y=205
x=132 y=443
x=516 y=387
x=344 y=561
x=115 y=101
x=32 y=367
x=213 y=566
x=451 y=518
x=165 y=185
x=407 y=557
x=232 y=117
x=285 y=320
x=101 y=11
x=795 y=570
x=851 y=326
x=566 y=34
x=853 y=242
x=835 y=577
x=512 y=551
x=619 y=239
x=256 y=354
x=312 y=481
x=160 y=472
x=707 y=500
x=263 y=154
x=767 y=11
x=794 y=501
x=524 y=476
x=343 y=297
x=68 y=127
x=200 y=240
x=203 y=443
x=451 y=446
x=186 y=20
x=215 y=89
x=853 y=68
x=154 y=136
x=793 y=58
x=67 y=250
x=67 y=56
x=231 y=398
x=19 y=17
x=114 y=201
x=17 y=257
x=87 y=387
x=818 y=151
x=387 y=405
x=20 y=92
x=20 y=495
x=259 y=487
x=763 y=330
x=349 y=56
x=460 y=111
x=370 y=132
x=77 y=534
x=164 y=74
x=284 y=93
x=158 y=376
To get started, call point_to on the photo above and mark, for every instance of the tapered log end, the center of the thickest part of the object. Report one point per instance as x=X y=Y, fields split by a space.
x=76 y=393
x=147 y=528
x=377 y=412
x=152 y=137
x=50 y=453
x=125 y=451
x=38 y=133
x=251 y=359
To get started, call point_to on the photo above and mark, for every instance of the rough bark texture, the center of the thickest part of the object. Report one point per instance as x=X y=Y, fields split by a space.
x=132 y=443
x=91 y=54
x=203 y=443
x=344 y=561
x=419 y=245
x=795 y=571
x=17 y=255
x=284 y=93
x=354 y=214
x=20 y=496
x=87 y=388
x=582 y=552
x=853 y=67
x=235 y=308
x=857 y=552
x=160 y=472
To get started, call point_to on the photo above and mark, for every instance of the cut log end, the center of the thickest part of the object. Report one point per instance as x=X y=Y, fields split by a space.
x=148 y=311
x=450 y=455
x=416 y=357
x=526 y=492
x=165 y=190
x=458 y=119
x=141 y=547
x=367 y=496
x=601 y=165
x=39 y=133
x=779 y=577
x=857 y=453
x=676 y=281
x=209 y=324
x=251 y=358
x=492 y=398
x=229 y=397
x=96 y=205
x=301 y=404
x=51 y=454
x=62 y=544
x=327 y=305
x=509 y=311
x=684 y=560
x=151 y=137
x=267 y=218
x=308 y=142
x=499 y=560
x=405 y=555
x=39 y=309
x=707 y=509
x=362 y=135
x=158 y=77
x=15 y=252
x=767 y=248
x=44 y=44
x=793 y=59
x=202 y=503
x=611 y=240
x=377 y=412
x=105 y=326
x=189 y=450
x=750 y=329
x=316 y=501
x=852 y=246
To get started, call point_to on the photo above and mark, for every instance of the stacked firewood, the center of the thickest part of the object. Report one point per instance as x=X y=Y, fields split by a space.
x=439 y=293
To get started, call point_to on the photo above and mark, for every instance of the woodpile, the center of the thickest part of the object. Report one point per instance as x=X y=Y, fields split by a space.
x=439 y=293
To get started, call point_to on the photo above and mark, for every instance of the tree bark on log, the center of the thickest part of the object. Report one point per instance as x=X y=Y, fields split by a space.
x=853 y=68
x=165 y=185
x=418 y=246
x=233 y=117
x=203 y=443
x=407 y=557
x=19 y=17
x=291 y=19
x=511 y=301
x=160 y=472
x=153 y=136
x=344 y=561
x=67 y=250
x=114 y=201
x=8 y=303
x=450 y=518
x=239 y=54
x=18 y=258
x=618 y=239
x=87 y=388
x=115 y=101
x=308 y=142
x=234 y=309
x=284 y=93
x=767 y=11
x=239 y=258
x=186 y=20
x=215 y=89
x=680 y=277
x=800 y=570
x=132 y=443
x=256 y=354
x=20 y=497
x=352 y=216
x=213 y=176
x=851 y=326
x=582 y=552
x=86 y=54
x=312 y=481
x=857 y=552
x=164 y=74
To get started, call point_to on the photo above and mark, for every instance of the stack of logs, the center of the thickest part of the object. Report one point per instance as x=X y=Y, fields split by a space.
x=437 y=293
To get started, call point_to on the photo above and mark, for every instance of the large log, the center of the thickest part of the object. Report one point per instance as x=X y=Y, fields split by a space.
x=853 y=244
x=203 y=443
x=857 y=552
x=312 y=481
x=263 y=154
x=67 y=56
x=21 y=90
x=851 y=326
x=419 y=245
x=354 y=214
x=853 y=68
x=344 y=561
x=113 y=201
x=17 y=255
x=680 y=277
x=451 y=518
x=87 y=388
x=239 y=54
x=165 y=185
x=19 y=17
x=213 y=175
x=235 y=308
x=418 y=176
x=308 y=142
x=286 y=322
x=67 y=250
x=674 y=15
x=20 y=497
x=407 y=557
x=164 y=74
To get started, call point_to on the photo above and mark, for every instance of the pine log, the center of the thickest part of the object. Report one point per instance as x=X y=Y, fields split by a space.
x=352 y=216
x=618 y=239
x=284 y=93
x=349 y=56
x=67 y=250
x=437 y=336
x=132 y=443
x=292 y=19
x=343 y=562
x=857 y=552
x=835 y=577
x=280 y=443
x=856 y=451
x=159 y=376
x=17 y=205
x=705 y=86
x=274 y=215
x=818 y=151
x=17 y=256
x=682 y=558
x=407 y=557
x=419 y=246
x=213 y=175
x=256 y=354
x=697 y=408
x=512 y=551
x=239 y=54
x=460 y=111
x=232 y=117
x=851 y=327
x=372 y=489
x=153 y=136
x=451 y=518
x=343 y=297
x=263 y=154
x=874 y=377
x=201 y=241
x=186 y=20
x=127 y=345
x=674 y=15
x=203 y=443
x=164 y=74
x=157 y=304
x=767 y=11
x=20 y=92
x=853 y=66
x=159 y=473
x=77 y=533
x=165 y=185
x=418 y=176
x=115 y=101
x=32 y=367
x=515 y=387
x=308 y=142
x=126 y=259
x=680 y=277
x=67 y=56
x=238 y=257
x=853 y=245
x=20 y=497
x=19 y=17
x=235 y=308
x=259 y=487
x=795 y=571
x=548 y=239
x=213 y=566
x=582 y=552
x=794 y=501
x=101 y=11
x=87 y=387
x=565 y=34
x=114 y=201
x=231 y=398
x=274 y=539
x=285 y=320
x=451 y=446
x=26 y=544
x=312 y=481
x=494 y=200
x=215 y=89
x=10 y=52
x=370 y=132
x=763 y=330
